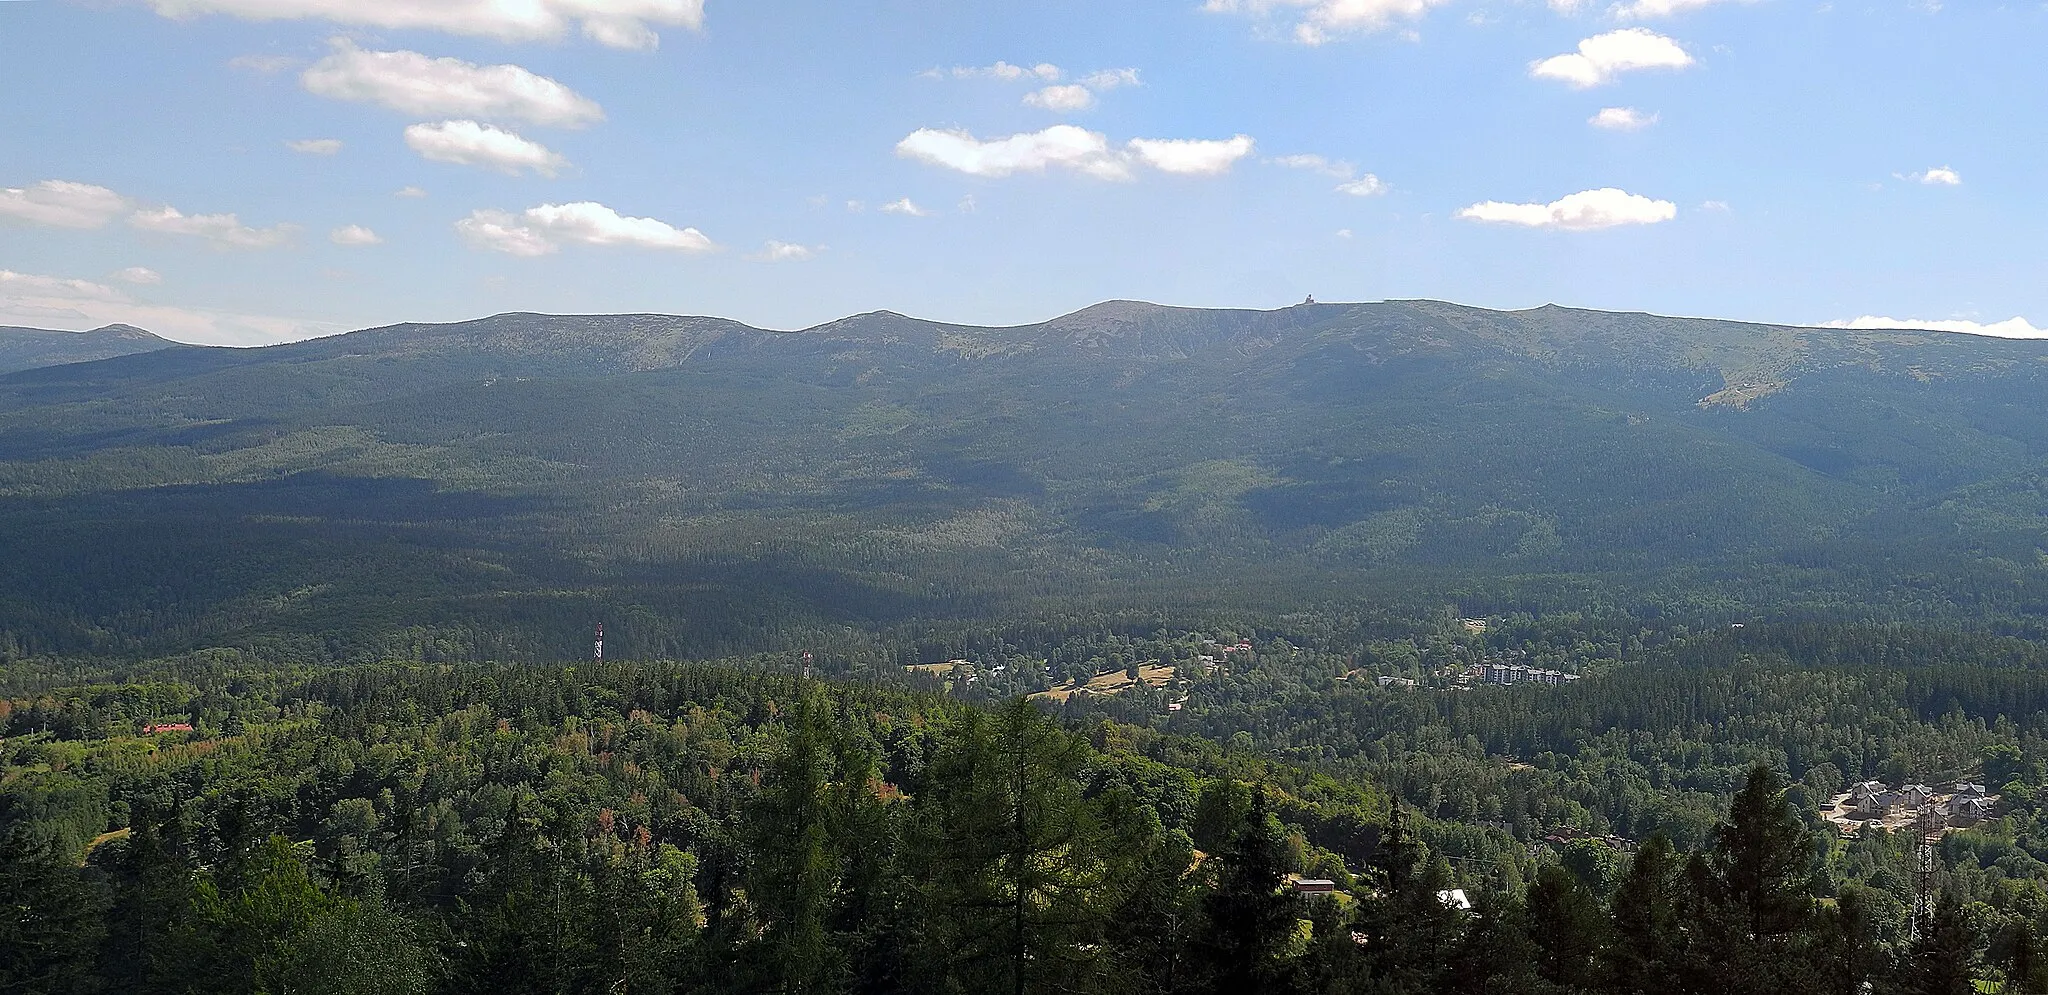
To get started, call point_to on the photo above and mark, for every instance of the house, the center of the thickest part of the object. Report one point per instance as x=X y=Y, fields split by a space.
x=1964 y=811
x=1965 y=789
x=1455 y=899
x=1315 y=886
x=1396 y=682
x=1874 y=799
x=1914 y=796
x=157 y=727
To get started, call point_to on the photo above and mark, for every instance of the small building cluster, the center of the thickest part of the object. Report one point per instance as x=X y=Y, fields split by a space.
x=1920 y=807
x=1517 y=673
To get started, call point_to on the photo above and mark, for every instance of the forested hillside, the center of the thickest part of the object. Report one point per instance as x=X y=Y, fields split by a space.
x=485 y=490
x=688 y=828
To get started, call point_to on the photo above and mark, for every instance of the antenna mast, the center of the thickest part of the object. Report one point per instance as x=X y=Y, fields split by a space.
x=597 y=652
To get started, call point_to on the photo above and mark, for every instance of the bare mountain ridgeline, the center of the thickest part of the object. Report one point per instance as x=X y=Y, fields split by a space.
x=1127 y=456
x=31 y=348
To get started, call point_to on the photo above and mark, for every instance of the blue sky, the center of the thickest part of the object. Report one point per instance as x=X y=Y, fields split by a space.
x=1775 y=160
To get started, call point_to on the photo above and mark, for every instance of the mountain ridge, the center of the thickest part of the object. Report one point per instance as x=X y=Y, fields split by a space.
x=881 y=467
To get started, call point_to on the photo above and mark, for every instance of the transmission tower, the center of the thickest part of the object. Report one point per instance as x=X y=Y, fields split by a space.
x=1923 y=885
x=597 y=651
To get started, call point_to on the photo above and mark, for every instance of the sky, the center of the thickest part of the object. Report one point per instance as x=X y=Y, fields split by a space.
x=243 y=172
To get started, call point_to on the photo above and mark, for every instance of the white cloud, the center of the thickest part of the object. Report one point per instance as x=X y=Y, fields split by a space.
x=1110 y=79
x=1343 y=233
x=782 y=252
x=1567 y=7
x=62 y=204
x=1601 y=58
x=1062 y=145
x=1321 y=20
x=1622 y=119
x=425 y=87
x=315 y=146
x=139 y=275
x=19 y=285
x=1192 y=156
x=1642 y=10
x=196 y=325
x=1316 y=164
x=617 y=23
x=906 y=207
x=1716 y=206
x=1063 y=97
x=1939 y=176
x=967 y=205
x=413 y=193
x=1001 y=70
x=2011 y=328
x=538 y=231
x=354 y=236
x=467 y=143
x=1365 y=186
x=1584 y=211
x=225 y=231
x=1067 y=146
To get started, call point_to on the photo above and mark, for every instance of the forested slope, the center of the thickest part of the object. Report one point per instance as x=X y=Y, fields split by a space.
x=493 y=486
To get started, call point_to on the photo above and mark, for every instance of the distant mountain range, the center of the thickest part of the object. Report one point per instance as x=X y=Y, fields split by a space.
x=30 y=348
x=490 y=486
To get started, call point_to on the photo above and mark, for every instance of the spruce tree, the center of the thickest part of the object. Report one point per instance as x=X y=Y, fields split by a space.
x=1249 y=919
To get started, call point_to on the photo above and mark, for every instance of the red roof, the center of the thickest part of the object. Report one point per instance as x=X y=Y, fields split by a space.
x=156 y=727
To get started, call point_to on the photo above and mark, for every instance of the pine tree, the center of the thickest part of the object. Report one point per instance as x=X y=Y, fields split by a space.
x=1649 y=938
x=51 y=919
x=793 y=875
x=1939 y=962
x=1568 y=928
x=1249 y=919
x=1754 y=895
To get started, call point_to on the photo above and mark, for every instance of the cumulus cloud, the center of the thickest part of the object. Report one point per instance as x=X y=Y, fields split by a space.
x=1319 y=21
x=415 y=84
x=782 y=252
x=538 y=231
x=315 y=146
x=1365 y=186
x=1066 y=146
x=354 y=236
x=467 y=143
x=225 y=231
x=1584 y=211
x=62 y=204
x=1939 y=176
x=905 y=206
x=1601 y=58
x=1191 y=156
x=1062 y=146
x=1641 y=10
x=616 y=23
x=139 y=275
x=2011 y=328
x=1062 y=97
x=1622 y=119
x=20 y=285
x=413 y=193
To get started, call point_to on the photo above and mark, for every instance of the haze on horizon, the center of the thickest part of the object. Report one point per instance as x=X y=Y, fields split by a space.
x=262 y=171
